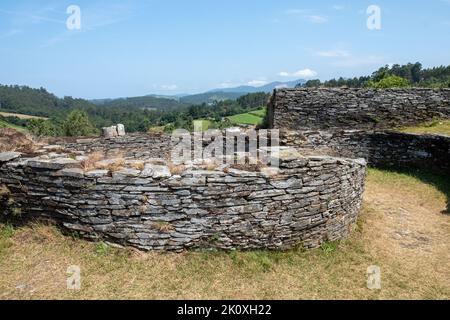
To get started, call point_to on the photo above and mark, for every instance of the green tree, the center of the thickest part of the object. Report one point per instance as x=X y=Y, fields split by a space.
x=389 y=82
x=42 y=128
x=77 y=124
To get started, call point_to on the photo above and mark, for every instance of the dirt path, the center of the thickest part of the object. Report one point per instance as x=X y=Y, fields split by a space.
x=407 y=226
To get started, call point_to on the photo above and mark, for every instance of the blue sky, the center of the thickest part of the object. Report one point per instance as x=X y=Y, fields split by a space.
x=131 y=48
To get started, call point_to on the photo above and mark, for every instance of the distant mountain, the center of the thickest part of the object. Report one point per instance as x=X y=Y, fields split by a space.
x=210 y=97
x=237 y=92
x=268 y=88
x=166 y=102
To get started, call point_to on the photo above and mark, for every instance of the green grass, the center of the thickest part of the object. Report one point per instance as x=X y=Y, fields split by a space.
x=6 y=232
x=435 y=127
x=251 y=118
x=4 y=124
x=259 y=113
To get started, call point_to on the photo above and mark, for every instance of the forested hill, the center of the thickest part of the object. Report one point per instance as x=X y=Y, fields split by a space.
x=145 y=102
x=38 y=102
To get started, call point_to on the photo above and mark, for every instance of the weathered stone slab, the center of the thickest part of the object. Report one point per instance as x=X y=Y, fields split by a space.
x=8 y=156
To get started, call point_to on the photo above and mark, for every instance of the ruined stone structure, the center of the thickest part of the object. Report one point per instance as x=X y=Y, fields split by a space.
x=314 y=196
x=324 y=109
x=352 y=122
x=307 y=201
x=382 y=149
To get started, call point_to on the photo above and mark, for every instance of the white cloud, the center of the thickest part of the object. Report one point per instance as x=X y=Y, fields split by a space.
x=305 y=73
x=317 y=19
x=334 y=53
x=169 y=87
x=257 y=83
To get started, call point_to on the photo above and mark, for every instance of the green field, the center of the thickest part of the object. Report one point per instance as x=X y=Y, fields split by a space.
x=250 y=118
x=260 y=112
x=4 y=124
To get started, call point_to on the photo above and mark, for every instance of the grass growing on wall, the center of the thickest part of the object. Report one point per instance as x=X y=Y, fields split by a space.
x=434 y=127
x=401 y=229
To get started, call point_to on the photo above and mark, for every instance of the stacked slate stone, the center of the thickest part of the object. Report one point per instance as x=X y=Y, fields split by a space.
x=344 y=108
x=138 y=146
x=307 y=201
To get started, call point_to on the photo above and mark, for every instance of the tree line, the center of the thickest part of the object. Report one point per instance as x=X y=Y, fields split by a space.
x=408 y=75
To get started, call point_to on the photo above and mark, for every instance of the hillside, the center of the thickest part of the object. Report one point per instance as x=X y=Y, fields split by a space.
x=29 y=101
x=145 y=102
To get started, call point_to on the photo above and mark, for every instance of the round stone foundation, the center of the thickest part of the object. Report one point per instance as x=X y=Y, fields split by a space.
x=150 y=205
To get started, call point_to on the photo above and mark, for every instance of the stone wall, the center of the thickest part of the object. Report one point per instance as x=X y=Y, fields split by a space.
x=321 y=109
x=139 y=146
x=384 y=149
x=306 y=201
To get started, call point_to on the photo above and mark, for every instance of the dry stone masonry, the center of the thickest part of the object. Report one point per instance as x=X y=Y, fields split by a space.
x=351 y=123
x=382 y=149
x=306 y=201
x=324 y=109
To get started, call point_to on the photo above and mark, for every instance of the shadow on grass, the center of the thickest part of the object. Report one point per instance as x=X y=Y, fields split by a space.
x=440 y=181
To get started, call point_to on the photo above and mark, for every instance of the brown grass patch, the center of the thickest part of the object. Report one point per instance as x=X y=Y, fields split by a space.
x=176 y=169
x=90 y=162
x=13 y=140
x=163 y=226
x=20 y=116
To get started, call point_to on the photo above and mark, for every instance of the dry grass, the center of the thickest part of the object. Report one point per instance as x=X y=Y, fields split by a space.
x=91 y=161
x=20 y=116
x=138 y=165
x=401 y=229
x=163 y=226
x=176 y=169
x=13 y=140
x=4 y=191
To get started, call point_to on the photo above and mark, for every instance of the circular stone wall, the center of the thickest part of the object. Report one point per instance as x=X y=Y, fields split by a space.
x=307 y=201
